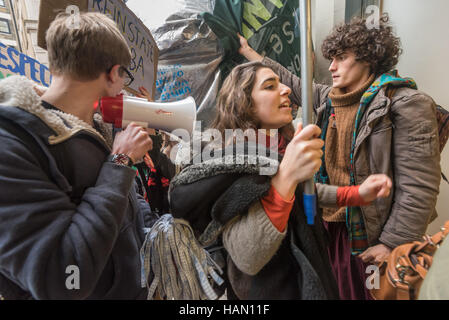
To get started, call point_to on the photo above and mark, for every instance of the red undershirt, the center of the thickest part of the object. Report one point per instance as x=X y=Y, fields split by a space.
x=278 y=209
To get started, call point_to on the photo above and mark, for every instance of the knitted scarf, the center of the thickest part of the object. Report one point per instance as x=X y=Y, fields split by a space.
x=354 y=217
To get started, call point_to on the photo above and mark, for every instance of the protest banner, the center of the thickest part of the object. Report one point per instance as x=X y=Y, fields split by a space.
x=13 y=62
x=144 y=50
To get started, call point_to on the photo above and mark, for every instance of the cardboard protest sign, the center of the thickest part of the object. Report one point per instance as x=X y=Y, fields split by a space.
x=13 y=62
x=144 y=50
x=47 y=12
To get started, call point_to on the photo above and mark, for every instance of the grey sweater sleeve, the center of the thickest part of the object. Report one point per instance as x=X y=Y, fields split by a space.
x=252 y=240
x=42 y=232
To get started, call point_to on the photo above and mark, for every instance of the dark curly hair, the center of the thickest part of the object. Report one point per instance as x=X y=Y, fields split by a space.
x=377 y=46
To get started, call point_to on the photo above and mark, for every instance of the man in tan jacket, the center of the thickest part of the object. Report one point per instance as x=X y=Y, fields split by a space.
x=373 y=122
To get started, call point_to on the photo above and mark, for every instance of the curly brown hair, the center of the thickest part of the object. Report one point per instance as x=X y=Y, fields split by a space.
x=377 y=46
x=235 y=109
x=234 y=104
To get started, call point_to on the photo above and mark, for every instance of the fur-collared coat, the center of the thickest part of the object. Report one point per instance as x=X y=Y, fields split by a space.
x=220 y=197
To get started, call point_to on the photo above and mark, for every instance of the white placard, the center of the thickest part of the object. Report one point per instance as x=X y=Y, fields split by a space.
x=144 y=50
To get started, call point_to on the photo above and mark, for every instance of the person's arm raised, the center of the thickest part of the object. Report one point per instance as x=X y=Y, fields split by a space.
x=248 y=52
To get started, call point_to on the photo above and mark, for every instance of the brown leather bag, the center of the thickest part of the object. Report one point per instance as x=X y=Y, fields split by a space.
x=402 y=274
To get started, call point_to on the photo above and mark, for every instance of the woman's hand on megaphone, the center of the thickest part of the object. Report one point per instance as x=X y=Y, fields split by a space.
x=133 y=141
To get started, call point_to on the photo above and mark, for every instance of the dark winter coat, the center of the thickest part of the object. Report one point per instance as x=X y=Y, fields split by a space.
x=211 y=194
x=71 y=210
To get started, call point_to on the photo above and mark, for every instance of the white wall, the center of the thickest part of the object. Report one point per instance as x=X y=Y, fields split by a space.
x=423 y=27
x=325 y=15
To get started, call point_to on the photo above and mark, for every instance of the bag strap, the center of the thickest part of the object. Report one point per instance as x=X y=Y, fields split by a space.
x=427 y=248
x=434 y=240
x=438 y=238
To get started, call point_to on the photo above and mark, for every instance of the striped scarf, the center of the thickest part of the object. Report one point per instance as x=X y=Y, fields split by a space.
x=354 y=218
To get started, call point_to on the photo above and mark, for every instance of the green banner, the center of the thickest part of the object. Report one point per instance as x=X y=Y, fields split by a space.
x=271 y=27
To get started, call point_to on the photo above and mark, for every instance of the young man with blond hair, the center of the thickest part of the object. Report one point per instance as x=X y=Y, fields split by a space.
x=71 y=222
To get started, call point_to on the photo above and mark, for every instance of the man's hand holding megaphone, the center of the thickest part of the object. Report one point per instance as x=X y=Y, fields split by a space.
x=134 y=142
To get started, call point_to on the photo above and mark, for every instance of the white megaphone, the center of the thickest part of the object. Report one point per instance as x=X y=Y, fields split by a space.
x=168 y=116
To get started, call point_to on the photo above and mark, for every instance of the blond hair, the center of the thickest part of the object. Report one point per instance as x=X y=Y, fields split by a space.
x=86 y=49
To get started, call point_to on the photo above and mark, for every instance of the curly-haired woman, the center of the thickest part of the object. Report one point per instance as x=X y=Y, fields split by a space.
x=372 y=121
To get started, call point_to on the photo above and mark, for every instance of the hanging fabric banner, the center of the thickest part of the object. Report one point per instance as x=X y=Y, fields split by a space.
x=271 y=27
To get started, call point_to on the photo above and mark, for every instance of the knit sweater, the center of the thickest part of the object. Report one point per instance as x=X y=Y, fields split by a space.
x=338 y=141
